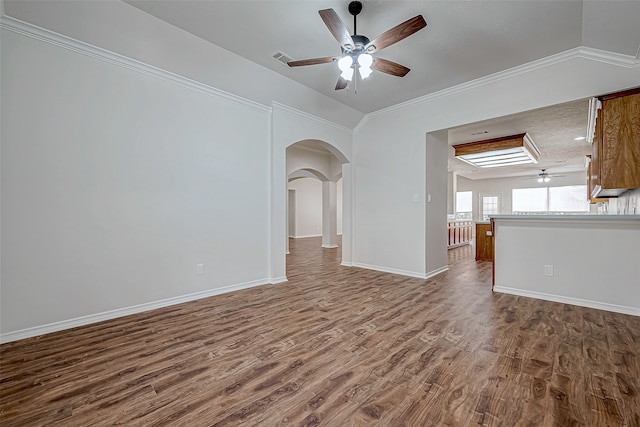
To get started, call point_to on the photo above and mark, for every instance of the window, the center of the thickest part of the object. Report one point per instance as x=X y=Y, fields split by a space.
x=567 y=199
x=464 y=204
x=489 y=205
x=529 y=200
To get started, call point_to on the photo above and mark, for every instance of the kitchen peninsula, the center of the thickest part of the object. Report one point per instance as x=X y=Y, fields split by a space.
x=585 y=260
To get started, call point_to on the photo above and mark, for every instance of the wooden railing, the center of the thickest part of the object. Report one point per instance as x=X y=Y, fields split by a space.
x=459 y=232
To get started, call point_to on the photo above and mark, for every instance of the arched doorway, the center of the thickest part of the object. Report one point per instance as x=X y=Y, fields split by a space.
x=314 y=198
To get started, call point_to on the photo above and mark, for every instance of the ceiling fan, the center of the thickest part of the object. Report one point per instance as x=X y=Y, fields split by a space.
x=358 y=50
x=545 y=176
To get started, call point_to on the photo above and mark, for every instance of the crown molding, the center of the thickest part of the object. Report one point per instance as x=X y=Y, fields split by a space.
x=42 y=34
x=361 y=124
x=311 y=117
x=598 y=55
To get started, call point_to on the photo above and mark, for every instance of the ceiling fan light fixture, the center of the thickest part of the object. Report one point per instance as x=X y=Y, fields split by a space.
x=347 y=74
x=364 y=72
x=505 y=151
x=345 y=63
x=547 y=179
x=364 y=65
x=365 y=60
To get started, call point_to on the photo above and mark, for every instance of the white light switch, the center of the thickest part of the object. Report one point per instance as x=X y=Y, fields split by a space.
x=428 y=198
x=199 y=269
x=416 y=197
x=548 y=270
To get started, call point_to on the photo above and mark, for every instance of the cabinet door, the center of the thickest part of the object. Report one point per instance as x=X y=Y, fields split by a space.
x=620 y=142
x=484 y=242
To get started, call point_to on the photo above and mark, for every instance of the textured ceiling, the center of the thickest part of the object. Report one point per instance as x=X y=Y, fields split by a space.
x=553 y=130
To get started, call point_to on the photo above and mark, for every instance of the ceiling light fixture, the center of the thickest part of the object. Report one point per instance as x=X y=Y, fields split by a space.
x=345 y=64
x=544 y=176
x=365 y=61
x=362 y=62
x=505 y=151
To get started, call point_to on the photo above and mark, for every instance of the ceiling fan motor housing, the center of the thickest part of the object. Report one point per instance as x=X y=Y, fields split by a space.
x=360 y=42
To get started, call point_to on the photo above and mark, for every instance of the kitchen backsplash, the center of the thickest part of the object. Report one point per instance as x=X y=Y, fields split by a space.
x=628 y=203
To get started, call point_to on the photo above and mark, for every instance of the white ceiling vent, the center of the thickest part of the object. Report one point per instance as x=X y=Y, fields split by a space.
x=282 y=57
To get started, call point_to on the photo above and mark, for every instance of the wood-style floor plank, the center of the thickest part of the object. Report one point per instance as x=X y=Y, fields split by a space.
x=336 y=346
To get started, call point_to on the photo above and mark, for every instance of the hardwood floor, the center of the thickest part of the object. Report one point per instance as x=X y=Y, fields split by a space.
x=336 y=346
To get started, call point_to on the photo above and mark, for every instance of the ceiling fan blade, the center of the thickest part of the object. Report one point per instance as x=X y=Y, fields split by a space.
x=312 y=61
x=389 y=67
x=337 y=28
x=397 y=33
x=341 y=83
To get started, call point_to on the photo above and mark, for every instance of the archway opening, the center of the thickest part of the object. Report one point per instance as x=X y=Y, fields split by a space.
x=314 y=187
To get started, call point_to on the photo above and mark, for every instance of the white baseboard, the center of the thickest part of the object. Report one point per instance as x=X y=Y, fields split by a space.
x=397 y=271
x=346 y=264
x=634 y=311
x=112 y=314
x=280 y=279
x=437 y=271
x=304 y=237
x=329 y=246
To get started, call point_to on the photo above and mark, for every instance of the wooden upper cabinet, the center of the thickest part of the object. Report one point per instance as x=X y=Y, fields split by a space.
x=591 y=177
x=615 y=161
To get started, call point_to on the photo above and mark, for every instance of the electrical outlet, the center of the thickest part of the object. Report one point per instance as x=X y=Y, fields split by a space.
x=548 y=270
x=199 y=269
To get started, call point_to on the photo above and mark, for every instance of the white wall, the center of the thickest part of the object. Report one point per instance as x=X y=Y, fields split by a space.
x=305 y=159
x=504 y=187
x=389 y=229
x=115 y=184
x=436 y=203
x=125 y=30
x=149 y=125
x=389 y=226
x=595 y=260
x=339 y=204
x=308 y=206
